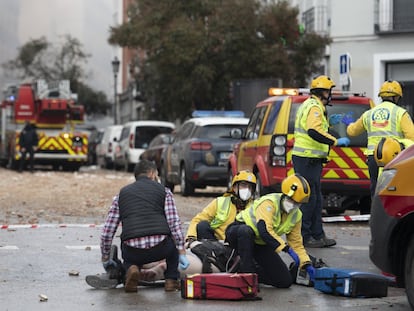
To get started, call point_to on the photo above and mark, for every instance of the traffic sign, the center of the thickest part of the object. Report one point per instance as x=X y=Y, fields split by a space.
x=344 y=63
x=344 y=70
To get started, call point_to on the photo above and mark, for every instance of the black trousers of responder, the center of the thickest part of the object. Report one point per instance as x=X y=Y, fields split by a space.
x=373 y=174
x=204 y=231
x=311 y=170
x=141 y=256
x=260 y=259
x=22 y=163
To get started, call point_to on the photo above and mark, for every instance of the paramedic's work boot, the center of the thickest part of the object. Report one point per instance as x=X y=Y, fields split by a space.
x=312 y=243
x=328 y=242
x=101 y=281
x=172 y=285
x=132 y=279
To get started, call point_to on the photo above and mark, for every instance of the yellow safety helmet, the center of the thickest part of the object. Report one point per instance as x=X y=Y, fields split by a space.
x=322 y=82
x=297 y=188
x=246 y=176
x=390 y=89
x=386 y=150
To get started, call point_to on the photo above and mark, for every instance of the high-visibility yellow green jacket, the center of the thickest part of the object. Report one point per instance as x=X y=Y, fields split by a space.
x=219 y=213
x=267 y=210
x=384 y=120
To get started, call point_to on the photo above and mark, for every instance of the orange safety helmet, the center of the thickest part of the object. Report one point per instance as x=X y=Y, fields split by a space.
x=297 y=188
x=322 y=83
x=390 y=89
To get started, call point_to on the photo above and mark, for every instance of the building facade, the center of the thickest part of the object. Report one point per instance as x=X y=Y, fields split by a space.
x=372 y=41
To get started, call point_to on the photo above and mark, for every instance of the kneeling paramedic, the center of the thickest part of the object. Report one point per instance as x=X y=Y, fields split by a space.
x=256 y=234
x=213 y=220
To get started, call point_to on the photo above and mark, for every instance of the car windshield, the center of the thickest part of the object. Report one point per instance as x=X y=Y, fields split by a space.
x=217 y=130
x=338 y=130
x=144 y=135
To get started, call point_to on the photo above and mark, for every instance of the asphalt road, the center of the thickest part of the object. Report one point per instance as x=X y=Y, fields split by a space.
x=39 y=261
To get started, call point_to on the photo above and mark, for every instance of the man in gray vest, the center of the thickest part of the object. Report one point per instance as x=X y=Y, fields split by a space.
x=151 y=229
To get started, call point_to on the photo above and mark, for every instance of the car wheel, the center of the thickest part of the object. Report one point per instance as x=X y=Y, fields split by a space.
x=186 y=188
x=229 y=178
x=259 y=188
x=163 y=177
x=409 y=272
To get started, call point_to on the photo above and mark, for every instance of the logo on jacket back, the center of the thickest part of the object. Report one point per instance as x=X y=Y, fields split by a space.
x=381 y=118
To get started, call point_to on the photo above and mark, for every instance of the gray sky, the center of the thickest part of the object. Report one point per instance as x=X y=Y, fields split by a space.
x=86 y=20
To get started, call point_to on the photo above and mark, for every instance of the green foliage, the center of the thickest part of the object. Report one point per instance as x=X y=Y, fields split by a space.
x=39 y=59
x=194 y=49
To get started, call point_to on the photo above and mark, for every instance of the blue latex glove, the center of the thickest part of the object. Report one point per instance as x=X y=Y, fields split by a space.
x=294 y=256
x=335 y=118
x=311 y=271
x=348 y=118
x=109 y=264
x=343 y=141
x=184 y=263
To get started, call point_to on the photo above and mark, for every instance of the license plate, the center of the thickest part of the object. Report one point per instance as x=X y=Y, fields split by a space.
x=224 y=155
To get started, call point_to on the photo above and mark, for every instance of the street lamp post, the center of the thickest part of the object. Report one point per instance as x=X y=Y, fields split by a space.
x=115 y=69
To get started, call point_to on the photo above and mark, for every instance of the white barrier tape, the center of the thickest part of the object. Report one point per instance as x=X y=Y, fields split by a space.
x=8 y=247
x=346 y=218
x=35 y=226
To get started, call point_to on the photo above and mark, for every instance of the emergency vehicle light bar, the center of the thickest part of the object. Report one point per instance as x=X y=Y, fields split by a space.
x=305 y=91
x=217 y=113
x=276 y=91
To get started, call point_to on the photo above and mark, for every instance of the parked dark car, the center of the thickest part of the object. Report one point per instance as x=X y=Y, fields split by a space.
x=156 y=148
x=199 y=153
x=94 y=139
x=392 y=217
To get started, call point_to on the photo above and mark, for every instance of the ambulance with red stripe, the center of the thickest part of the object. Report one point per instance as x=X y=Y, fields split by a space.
x=52 y=108
x=266 y=149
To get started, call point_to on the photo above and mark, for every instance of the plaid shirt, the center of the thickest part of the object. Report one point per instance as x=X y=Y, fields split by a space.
x=113 y=220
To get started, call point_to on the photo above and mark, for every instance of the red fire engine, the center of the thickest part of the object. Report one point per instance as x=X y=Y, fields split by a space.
x=51 y=107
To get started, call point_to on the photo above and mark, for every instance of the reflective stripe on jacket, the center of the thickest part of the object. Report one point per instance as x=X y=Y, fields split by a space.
x=223 y=210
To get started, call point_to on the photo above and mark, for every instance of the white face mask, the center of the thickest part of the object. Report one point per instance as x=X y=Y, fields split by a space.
x=245 y=194
x=289 y=205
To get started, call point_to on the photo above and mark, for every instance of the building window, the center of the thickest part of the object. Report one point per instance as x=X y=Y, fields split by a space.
x=316 y=19
x=308 y=19
x=394 y=16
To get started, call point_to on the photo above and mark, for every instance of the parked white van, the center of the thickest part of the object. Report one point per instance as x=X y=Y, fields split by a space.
x=105 y=150
x=135 y=139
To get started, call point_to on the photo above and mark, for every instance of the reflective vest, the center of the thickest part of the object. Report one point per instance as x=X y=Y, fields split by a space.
x=305 y=146
x=282 y=224
x=383 y=120
x=223 y=210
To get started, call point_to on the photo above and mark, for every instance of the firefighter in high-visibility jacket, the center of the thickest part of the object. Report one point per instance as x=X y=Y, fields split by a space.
x=310 y=152
x=257 y=234
x=387 y=119
x=213 y=220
